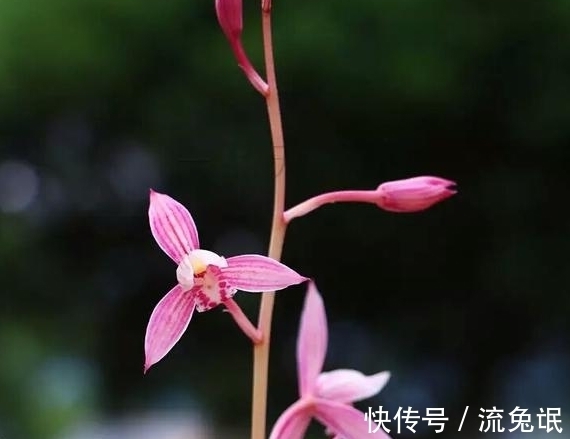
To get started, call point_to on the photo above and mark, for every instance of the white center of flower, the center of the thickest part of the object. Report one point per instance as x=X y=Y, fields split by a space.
x=195 y=264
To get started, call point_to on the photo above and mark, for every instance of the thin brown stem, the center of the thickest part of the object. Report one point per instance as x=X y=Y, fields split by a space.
x=278 y=229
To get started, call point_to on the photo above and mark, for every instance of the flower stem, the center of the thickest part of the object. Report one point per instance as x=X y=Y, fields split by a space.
x=311 y=204
x=278 y=228
x=254 y=334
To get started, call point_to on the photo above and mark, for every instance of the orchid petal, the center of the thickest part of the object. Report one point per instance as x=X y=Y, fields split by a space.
x=185 y=273
x=255 y=273
x=293 y=422
x=167 y=323
x=346 y=421
x=207 y=257
x=348 y=386
x=312 y=341
x=172 y=226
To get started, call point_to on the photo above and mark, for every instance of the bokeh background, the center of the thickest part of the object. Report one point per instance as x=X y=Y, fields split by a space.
x=467 y=304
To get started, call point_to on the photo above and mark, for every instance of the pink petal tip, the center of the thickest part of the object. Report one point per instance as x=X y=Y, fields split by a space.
x=312 y=340
x=349 y=386
x=172 y=226
x=167 y=323
x=256 y=273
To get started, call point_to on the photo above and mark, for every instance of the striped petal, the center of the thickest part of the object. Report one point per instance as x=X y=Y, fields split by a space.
x=167 y=323
x=348 y=386
x=346 y=421
x=293 y=423
x=312 y=341
x=172 y=226
x=255 y=273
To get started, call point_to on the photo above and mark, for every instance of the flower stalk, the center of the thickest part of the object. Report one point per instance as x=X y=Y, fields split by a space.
x=278 y=230
x=243 y=322
x=314 y=203
x=403 y=196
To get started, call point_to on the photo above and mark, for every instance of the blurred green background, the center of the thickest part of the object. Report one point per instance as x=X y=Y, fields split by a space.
x=466 y=304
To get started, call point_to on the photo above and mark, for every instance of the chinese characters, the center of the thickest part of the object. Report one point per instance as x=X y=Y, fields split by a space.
x=493 y=420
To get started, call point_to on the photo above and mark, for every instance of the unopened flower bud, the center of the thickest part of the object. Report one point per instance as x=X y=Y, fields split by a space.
x=229 y=14
x=413 y=194
x=230 y=17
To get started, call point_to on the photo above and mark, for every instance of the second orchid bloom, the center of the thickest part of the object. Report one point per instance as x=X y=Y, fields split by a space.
x=326 y=396
x=205 y=279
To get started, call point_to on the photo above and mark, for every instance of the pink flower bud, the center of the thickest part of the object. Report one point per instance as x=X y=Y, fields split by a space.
x=413 y=194
x=229 y=14
x=230 y=17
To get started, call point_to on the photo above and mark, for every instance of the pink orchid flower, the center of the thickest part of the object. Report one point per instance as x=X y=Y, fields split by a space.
x=326 y=396
x=205 y=279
